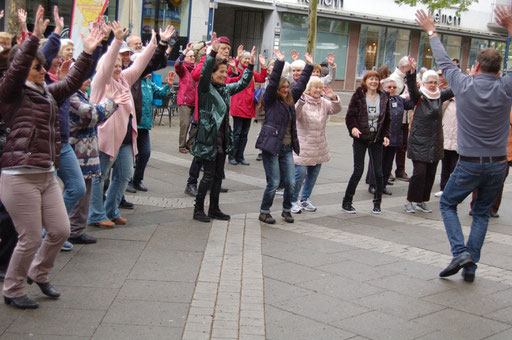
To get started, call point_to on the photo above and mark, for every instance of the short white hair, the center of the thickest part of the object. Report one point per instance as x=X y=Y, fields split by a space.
x=314 y=80
x=403 y=62
x=298 y=64
x=429 y=74
x=386 y=81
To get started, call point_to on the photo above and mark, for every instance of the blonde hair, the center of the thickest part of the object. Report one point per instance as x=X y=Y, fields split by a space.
x=314 y=80
x=65 y=43
x=4 y=36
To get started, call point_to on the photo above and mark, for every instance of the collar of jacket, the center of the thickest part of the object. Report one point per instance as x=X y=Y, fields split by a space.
x=189 y=66
x=312 y=100
x=35 y=87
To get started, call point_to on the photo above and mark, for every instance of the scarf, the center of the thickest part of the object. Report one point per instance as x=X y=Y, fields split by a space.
x=429 y=94
x=53 y=77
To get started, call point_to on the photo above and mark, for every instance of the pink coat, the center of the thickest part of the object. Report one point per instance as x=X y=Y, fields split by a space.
x=311 y=120
x=111 y=134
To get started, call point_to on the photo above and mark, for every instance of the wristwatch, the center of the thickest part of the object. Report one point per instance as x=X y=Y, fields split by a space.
x=431 y=33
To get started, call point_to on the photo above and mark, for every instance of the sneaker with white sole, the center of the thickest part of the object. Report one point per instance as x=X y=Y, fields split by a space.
x=438 y=194
x=296 y=207
x=409 y=208
x=423 y=207
x=307 y=205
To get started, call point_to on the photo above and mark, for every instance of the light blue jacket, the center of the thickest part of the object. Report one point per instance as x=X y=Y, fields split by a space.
x=150 y=91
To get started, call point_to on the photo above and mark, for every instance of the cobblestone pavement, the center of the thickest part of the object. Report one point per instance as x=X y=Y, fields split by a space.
x=329 y=275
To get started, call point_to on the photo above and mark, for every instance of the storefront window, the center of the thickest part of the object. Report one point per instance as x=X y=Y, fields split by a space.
x=381 y=46
x=161 y=13
x=476 y=46
x=452 y=44
x=426 y=58
x=332 y=37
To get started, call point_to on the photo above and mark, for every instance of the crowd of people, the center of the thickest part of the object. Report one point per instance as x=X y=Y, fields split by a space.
x=88 y=121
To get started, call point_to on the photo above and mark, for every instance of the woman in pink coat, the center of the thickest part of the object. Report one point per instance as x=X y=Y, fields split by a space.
x=117 y=137
x=312 y=111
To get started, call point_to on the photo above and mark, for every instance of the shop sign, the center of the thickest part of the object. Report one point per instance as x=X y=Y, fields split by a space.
x=85 y=13
x=446 y=19
x=326 y=3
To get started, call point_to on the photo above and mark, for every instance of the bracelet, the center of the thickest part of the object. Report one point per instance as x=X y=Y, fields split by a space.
x=166 y=42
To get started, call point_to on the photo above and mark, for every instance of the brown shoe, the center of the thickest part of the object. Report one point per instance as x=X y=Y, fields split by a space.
x=105 y=224
x=120 y=221
x=183 y=150
x=403 y=177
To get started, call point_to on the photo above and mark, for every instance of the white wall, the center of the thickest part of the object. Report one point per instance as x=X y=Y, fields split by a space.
x=199 y=20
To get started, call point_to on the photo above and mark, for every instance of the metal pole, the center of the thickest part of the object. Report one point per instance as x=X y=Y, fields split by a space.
x=211 y=13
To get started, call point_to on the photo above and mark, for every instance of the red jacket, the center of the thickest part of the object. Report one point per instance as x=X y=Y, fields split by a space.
x=196 y=74
x=187 y=86
x=242 y=104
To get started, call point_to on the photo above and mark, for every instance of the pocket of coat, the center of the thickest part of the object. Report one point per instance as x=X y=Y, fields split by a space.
x=269 y=130
x=31 y=139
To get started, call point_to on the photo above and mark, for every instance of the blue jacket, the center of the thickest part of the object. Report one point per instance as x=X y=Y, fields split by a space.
x=277 y=112
x=150 y=91
x=398 y=106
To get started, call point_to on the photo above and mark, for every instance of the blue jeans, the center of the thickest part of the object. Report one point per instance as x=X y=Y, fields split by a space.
x=144 y=147
x=122 y=167
x=273 y=166
x=311 y=173
x=71 y=175
x=466 y=177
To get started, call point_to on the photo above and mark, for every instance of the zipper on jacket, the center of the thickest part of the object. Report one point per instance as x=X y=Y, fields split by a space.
x=30 y=140
x=52 y=130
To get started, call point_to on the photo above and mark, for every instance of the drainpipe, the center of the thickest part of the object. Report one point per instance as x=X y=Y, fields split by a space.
x=211 y=13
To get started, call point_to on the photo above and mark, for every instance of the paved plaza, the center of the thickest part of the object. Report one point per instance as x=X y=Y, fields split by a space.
x=329 y=275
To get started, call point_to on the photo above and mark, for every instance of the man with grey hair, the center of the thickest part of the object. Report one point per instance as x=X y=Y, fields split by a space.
x=134 y=43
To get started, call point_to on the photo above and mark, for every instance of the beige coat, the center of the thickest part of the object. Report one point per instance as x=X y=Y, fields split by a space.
x=450 y=125
x=311 y=120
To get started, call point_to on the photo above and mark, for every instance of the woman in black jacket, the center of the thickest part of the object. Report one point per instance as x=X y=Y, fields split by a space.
x=278 y=136
x=425 y=147
x=368 y=120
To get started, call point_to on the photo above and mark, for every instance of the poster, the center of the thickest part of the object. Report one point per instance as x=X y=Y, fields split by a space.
x=85 y=12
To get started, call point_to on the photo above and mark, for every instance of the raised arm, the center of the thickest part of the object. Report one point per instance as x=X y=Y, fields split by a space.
x=412 y=87
x=86 y=115
x=301 y=84
x=270 y=95
x=334 y=103
x=447 y=95
x=328 y=79
x=246 y=78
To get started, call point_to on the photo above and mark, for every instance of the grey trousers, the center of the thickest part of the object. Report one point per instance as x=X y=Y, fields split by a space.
x=185 y=113
x=80 y=212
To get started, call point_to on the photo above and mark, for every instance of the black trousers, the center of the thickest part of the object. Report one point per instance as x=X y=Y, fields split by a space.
x=241 y=127
x=448 y=165
x=8 y=236
x=212 y=180
x=375 y=154
x=421 y=182
x=388 y=155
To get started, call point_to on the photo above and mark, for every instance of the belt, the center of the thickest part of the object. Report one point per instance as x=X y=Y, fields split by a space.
x=482 y=160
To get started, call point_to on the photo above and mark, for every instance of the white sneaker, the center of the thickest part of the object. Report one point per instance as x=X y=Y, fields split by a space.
x=307 y=205
x=296 y=207
x=438 y=194
x=280 y=192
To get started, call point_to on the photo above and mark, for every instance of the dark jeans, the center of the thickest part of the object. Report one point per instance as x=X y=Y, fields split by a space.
x=8 y=237
x=496 y=206
x=375 y=154
x=448 y=165
x=421 y=182
x=487 y=178
x=212 y=179
x=275 y=167
x=144 y=147
x=241 y=128
x=388 y=155
x=401 y=152
x=195 y=169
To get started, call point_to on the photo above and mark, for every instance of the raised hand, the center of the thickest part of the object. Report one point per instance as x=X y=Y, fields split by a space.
x=64 y=69
x=329 y=93
x=308 y=58
x=252 y=61
x=59 y=21
x=122 y=98
x=231 y=62
x=262 y=61
x=22 y=16
x=425 y=21
x=92 y=41
x=106 y=28
x=171 y=76
x=1 y=14
x=189 y=47
x=330 y=59
x=40 y=24
x=167 y=34
x=153 y=37
x=279 y=55
x=119 y=32
x=504 y=17
x=239 y=51
x=294 y=55
x=413 y=64
x=215 y=43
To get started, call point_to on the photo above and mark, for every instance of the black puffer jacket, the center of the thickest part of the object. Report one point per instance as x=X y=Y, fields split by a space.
x=426 y=136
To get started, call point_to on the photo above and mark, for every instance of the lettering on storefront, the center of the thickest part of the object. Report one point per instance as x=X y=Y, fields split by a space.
x=446 y=19
x=326 y=3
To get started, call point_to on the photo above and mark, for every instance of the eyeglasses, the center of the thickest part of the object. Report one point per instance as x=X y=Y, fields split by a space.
x=38 y=67
x=391 y=87
x=431 y=83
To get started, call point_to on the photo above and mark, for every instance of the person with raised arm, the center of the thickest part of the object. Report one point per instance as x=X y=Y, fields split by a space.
x=483 y=122
x=278 y=136
x=214 y=138
x=29 y=188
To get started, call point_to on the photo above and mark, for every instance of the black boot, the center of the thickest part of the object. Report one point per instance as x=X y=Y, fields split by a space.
x=218 y=215
x=46 y=288
x=214 y=210
x=21 y=302
x=199 y=211
x=191 y=190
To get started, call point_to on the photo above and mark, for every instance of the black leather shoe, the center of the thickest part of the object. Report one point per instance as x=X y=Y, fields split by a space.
x=390 y=183
x=386 y=192
x=468 y=273
x=130 y=188
x=201 y=216
x=83 y=239
x=266 y=218
x=287 y=217
x=191 y=190
x=218 y=215
x=463 y=260
x=371 y=190
x=126 y=205
x=22 y=302
x=46 y=288
x=243 y=162
x=259 y=157
x=223 y=189
x=140 y=187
